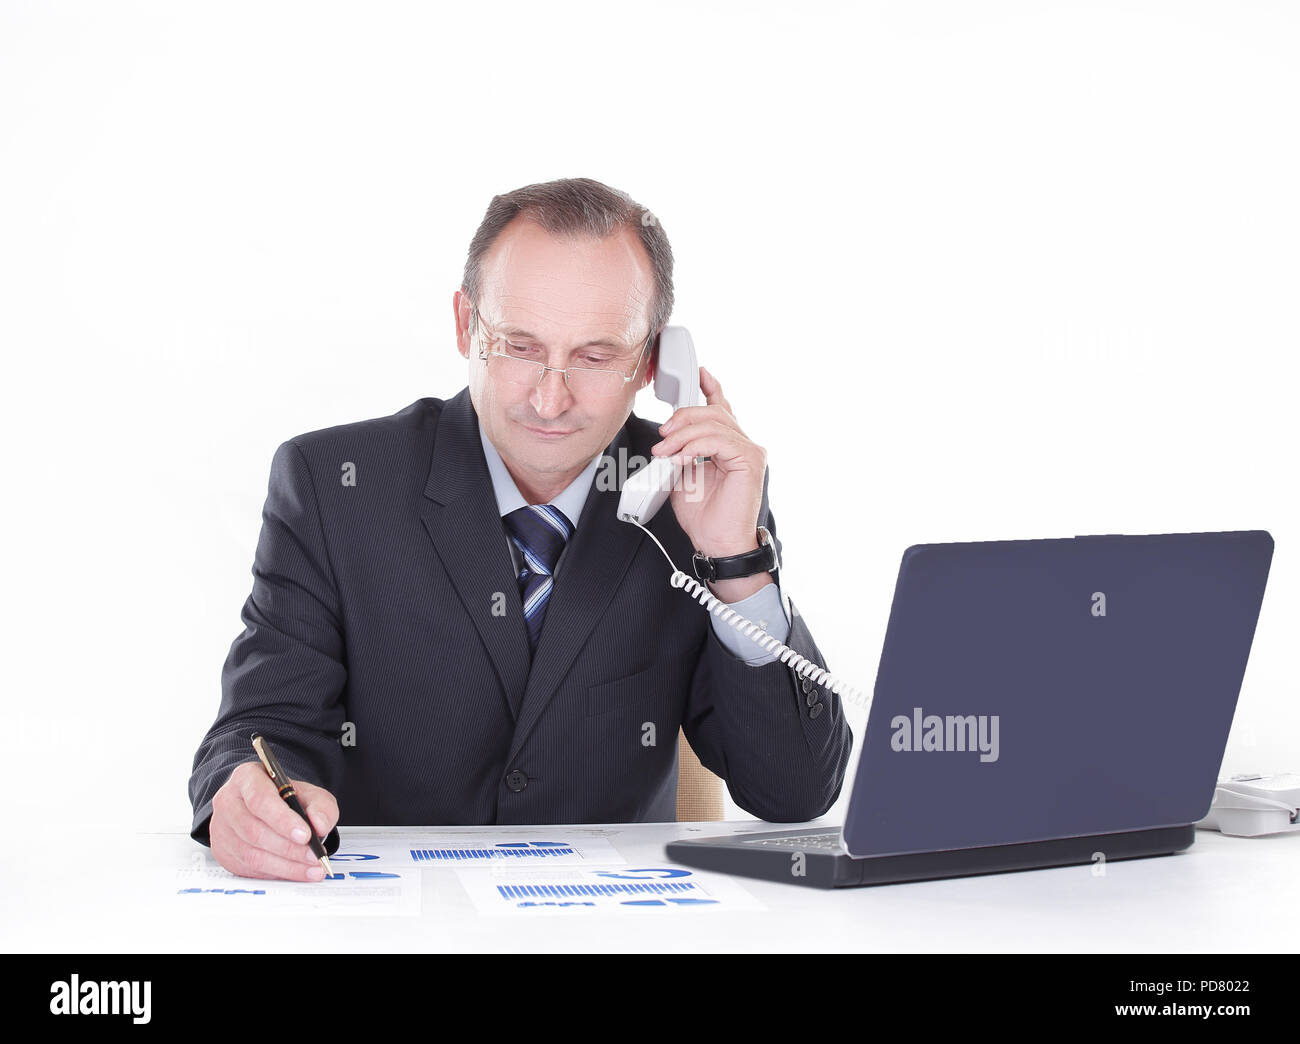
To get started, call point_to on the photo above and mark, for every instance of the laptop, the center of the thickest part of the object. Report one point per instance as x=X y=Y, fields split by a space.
x=1038 y=703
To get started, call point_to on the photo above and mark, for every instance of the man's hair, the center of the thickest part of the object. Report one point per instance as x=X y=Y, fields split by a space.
x=577 y=207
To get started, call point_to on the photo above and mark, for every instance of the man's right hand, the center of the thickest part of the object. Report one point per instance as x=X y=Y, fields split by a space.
x=253 y=832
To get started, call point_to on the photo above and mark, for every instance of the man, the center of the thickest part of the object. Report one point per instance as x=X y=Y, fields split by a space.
x=449 y=625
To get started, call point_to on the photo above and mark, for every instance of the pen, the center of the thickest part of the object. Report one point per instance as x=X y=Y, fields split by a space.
x=290 y=796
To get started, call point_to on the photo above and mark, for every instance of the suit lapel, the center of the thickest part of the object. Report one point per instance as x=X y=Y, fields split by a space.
x=464 y=522
x=461 y=515
x=601 y=551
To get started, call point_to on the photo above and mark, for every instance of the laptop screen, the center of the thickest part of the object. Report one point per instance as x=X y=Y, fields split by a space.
x=1040 y=689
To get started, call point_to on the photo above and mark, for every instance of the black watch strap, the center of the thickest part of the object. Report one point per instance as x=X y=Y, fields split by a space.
x=762 y=559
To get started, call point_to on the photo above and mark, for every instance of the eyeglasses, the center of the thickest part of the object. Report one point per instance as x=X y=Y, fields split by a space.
x=515 y=366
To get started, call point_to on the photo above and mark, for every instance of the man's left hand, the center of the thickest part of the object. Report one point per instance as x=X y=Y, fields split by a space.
x=716 y=502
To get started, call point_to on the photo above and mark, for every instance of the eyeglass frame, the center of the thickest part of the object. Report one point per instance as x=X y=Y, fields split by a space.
x=479 y=324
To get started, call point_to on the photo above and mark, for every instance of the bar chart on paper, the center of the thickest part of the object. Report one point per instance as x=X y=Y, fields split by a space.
x=647 y=890
x=505 y=851
x=209 y=889
x=430 y=849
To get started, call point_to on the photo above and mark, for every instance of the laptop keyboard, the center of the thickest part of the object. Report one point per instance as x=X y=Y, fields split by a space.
x=829 y=841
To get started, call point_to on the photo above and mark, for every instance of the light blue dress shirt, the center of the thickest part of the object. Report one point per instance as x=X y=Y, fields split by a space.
x=765 y=607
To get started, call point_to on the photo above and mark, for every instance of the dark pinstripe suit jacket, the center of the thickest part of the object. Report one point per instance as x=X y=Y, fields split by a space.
x=372 y=604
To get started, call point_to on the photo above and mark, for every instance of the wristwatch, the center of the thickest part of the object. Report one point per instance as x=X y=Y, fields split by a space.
x=763 y=559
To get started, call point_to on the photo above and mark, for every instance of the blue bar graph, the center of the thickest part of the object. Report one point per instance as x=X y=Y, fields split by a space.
x=561 y=891
x=510 y=850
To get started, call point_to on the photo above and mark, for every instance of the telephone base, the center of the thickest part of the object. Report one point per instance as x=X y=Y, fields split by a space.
x=1253 y=805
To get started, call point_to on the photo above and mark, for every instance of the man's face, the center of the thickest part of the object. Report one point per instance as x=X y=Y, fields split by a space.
x=563 y=302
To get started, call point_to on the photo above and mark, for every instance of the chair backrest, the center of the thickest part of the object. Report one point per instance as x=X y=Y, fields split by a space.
x=699 y=791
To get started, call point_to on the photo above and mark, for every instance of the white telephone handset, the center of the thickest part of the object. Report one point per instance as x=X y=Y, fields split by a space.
x=677 y=382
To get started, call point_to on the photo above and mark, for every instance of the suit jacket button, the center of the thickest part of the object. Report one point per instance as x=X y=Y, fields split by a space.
x=516 y=781
x=816 y=709
x=806 y=684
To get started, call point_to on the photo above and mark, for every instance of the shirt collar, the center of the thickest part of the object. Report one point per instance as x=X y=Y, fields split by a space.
x=570 y=501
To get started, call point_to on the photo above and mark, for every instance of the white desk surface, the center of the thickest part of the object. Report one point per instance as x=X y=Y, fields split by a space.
x=1224 y=895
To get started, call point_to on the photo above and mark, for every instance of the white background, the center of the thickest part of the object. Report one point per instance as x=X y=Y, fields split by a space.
x=969 y=271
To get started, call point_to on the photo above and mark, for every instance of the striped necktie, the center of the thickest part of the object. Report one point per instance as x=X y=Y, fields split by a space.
x=540 y=531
